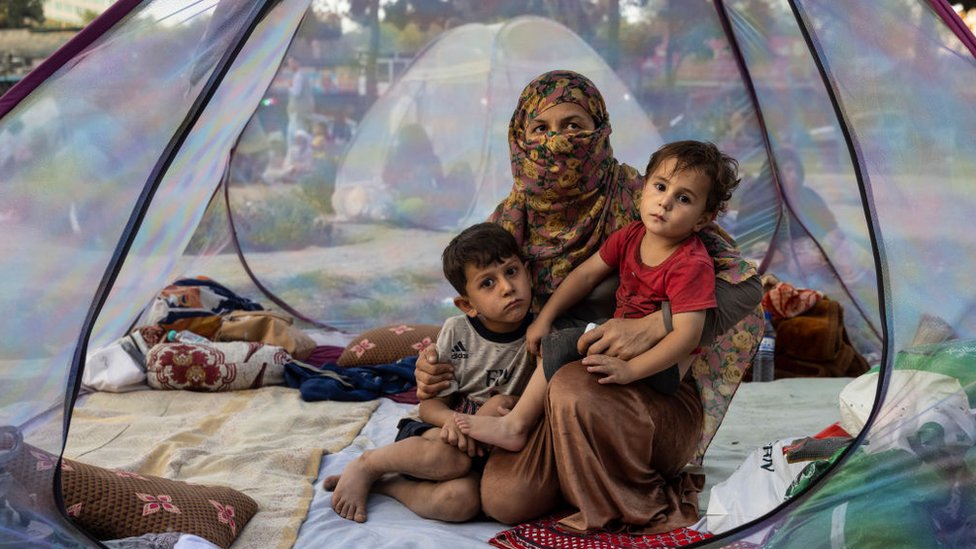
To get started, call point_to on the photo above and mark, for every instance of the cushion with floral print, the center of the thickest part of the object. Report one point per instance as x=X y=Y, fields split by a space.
x=388 y=344
x=215 y=366
x=112 y=504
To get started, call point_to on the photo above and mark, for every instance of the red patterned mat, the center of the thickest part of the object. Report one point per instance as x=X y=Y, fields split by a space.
x=547 y=534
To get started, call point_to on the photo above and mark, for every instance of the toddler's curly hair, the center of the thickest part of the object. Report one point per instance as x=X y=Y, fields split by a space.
x=705 y=158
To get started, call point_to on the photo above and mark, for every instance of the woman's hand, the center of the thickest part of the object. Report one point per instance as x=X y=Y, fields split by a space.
x=612 y=369
x=623 y=338
x=432 y=376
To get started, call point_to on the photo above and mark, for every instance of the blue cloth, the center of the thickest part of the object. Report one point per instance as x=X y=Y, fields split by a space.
x=358 y=383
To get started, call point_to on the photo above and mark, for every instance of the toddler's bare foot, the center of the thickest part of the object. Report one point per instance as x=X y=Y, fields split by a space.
x=350 y=490
x=497 y=431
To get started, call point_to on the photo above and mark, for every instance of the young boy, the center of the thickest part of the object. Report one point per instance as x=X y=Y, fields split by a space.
x=660 y=259
x=488 y=349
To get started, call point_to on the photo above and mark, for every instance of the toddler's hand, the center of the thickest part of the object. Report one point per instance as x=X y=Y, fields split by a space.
x=613 y=369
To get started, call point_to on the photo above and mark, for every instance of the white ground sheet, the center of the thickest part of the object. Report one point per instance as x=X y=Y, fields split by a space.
x=760 y=413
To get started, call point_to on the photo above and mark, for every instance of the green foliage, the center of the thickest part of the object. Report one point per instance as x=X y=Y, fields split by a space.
x=372 y=300
x=16 y=14
x=88 y=16
x=317 y=189
x=281 y=222
x=422 y=13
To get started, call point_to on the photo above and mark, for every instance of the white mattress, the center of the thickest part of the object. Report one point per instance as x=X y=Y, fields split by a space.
x=760 y=413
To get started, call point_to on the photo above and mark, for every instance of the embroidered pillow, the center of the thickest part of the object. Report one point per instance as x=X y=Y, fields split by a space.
x=118 y=504
x=216 y=366
x=387 y=344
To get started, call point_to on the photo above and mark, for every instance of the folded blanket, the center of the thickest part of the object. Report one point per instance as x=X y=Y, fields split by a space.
x=816 y=344
x=267 y=443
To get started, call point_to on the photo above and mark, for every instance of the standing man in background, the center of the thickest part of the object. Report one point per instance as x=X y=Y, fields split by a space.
x=301 y=102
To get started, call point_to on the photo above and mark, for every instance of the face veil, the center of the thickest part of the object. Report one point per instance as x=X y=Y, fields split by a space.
x=569 y=192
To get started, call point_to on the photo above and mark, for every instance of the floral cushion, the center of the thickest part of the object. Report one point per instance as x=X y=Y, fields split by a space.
x=113 y=504
x=388 y=344
x=216 y=366
x=719 y=370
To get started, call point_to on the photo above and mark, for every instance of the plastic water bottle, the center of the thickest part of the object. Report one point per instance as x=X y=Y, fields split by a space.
x=185 y=336
x=764 y=362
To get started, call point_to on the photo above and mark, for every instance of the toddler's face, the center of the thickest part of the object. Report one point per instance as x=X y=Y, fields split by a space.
x=673 y=203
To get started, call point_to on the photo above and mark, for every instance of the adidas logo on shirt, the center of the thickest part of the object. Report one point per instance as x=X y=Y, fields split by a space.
x=459 y=351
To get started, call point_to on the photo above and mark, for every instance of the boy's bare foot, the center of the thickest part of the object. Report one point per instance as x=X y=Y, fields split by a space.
x=350 y=489
x=497 y=431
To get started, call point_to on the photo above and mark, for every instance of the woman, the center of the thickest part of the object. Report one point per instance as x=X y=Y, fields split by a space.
x=598 y=447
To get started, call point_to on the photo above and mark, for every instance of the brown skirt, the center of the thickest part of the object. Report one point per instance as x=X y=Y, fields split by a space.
x=613 y=452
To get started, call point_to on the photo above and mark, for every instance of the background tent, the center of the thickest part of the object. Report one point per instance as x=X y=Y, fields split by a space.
x=115 y=147
x=468 y=81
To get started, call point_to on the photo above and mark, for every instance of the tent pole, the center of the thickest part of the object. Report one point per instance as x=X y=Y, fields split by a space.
x=747 y=79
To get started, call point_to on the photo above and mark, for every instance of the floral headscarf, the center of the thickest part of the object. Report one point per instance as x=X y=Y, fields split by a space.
x=570 y=192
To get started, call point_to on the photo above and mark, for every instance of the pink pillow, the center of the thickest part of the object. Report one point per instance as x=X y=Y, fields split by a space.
x=388 y=344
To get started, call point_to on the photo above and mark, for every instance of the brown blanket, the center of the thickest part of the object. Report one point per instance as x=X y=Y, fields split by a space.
x=816 y=344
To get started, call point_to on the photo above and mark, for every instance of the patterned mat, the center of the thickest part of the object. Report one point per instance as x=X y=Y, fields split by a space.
x=546 y=533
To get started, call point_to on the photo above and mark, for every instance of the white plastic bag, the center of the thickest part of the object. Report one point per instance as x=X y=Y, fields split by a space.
x=115 y=368
x=755 y=488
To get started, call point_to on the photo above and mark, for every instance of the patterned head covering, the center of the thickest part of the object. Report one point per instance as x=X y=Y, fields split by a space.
x=570 y=192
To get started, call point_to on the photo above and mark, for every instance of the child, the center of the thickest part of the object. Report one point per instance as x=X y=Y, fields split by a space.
x=488 y=349
x=659 y=259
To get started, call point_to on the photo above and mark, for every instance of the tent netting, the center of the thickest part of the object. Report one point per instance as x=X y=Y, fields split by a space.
x=123 y=158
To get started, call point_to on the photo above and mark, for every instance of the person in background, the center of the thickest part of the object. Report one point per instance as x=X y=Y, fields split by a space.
x=301 y=100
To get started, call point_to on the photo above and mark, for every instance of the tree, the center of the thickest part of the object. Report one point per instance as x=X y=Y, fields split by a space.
x=688 y=34
x=367 y=12
x=16 y=14
x=422 y=13
x=88 y=16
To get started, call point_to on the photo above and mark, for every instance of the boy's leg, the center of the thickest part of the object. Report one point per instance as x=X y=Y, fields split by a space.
x=454 y=500
x=511 y=430
x=425 y=457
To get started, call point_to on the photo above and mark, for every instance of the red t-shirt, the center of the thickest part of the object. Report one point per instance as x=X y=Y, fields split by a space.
x=686 y=278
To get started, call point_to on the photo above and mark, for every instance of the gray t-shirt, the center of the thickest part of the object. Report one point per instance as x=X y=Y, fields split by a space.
x=485 y=363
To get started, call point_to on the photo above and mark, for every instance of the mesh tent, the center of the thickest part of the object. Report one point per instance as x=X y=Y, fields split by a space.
x=478 y=69
x=117 y=156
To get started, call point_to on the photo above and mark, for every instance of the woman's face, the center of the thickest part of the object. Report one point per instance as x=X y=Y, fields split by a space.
x=563 y=119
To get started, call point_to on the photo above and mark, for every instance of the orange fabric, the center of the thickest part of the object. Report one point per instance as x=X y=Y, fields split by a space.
x=786 y=301
x=816 y=344
x=618 y=459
